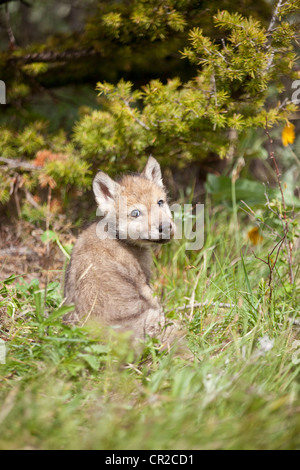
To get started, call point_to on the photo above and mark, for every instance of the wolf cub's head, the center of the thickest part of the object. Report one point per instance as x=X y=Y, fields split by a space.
x=134 y=208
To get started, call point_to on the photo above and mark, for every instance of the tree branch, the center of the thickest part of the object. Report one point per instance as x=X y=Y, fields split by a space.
x=4 y=2
x=12 y=40
x=11 y=163
x=275 y=15
x=52 y=56
x=271 y=26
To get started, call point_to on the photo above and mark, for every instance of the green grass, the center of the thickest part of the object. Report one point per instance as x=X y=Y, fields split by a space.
x=236 y=385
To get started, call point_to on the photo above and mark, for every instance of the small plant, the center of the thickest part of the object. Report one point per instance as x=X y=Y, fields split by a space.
x=282 y=222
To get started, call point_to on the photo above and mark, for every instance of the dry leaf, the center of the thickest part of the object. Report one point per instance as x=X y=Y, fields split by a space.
x=56 y=206
x=44 y=156
x=254 y=236
x=46 y=180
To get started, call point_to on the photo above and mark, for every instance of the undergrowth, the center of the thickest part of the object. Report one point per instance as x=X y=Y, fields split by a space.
x=232 y=384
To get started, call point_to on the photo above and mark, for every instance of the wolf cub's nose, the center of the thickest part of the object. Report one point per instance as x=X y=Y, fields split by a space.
x=165 y=228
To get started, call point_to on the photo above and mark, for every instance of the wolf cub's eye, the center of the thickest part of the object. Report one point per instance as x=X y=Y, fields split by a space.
x=135 y=213
x=160 y=203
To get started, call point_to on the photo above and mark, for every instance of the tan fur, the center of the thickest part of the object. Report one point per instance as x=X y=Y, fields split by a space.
x=108 y=280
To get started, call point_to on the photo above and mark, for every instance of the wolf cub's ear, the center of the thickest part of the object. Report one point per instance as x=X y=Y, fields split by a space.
x=152 y=171
x=105 y=190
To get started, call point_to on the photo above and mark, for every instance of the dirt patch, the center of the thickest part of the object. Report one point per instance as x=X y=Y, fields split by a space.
x=23 y=253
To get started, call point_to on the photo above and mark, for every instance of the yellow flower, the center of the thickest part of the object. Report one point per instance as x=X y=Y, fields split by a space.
x=254 y=236
x=288 y=134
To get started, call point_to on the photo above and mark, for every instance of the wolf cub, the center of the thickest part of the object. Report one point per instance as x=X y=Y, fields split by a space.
x=109 y=272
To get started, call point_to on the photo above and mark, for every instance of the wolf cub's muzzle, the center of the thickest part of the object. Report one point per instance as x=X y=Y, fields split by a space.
x=165 y=233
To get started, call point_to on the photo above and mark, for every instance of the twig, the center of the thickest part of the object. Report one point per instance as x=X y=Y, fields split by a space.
x=193 y=294
x=51 y=56
x=14 y=250
x=204 y=304
x=271 y=265
x=12 y=40
x=89 y=314
x=272 y=230
x=16 y=186
x=141 y=123
x=275 y=15
x=295 y=156
x=270 y=28
x=11 y=163
x=285 y=220
x=31 y=199
x=47 y=245
x=213 y=79
x=294 y=321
